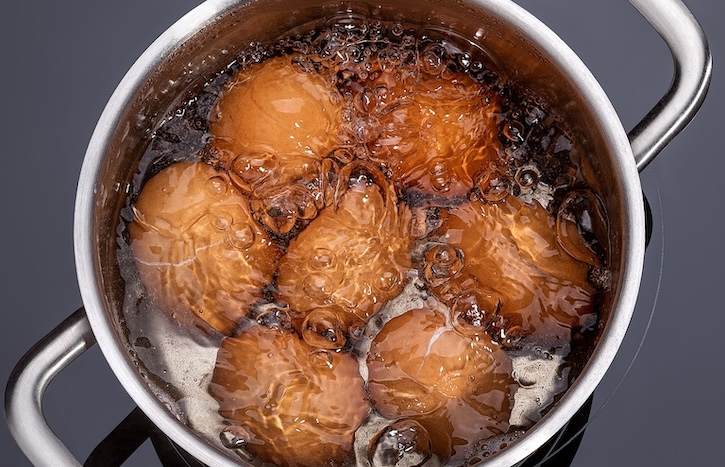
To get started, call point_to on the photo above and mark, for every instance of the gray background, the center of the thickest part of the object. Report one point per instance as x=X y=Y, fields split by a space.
x=62 y=61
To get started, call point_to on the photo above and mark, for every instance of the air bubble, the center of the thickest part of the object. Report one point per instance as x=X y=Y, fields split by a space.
x=234 y=437
x=476 y=67
x=465 y=60
x=493 y=186
x=343 y=155
x=361 y=152
x=564 y=181
x=507 y=331
x=408 y=77
x=600 y=278
x=303 y=198
x=245 y=171
x=440 y=175
x=355 y=32
x=274 y=317
x=405 y=443
x=222 y=221
x=527 y=178
x=242 y=238
x=323 y=328
x=442 y=262
x=278 y=213
x=365 y=101
x=386 y=278
x=322 y=258
x=432 y=59
x=511 y=338
x=382 y=92
x=397 y=29
x=524 y=378
x=514 y=132
x=321 y=359
x=448 y=291
x=303 y=64
x=217 y=186
x=318 y=286
x=582 y=228
x=354 y=53
x=474 y=311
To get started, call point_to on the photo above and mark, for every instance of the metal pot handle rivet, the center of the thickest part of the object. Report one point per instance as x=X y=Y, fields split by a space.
x=691 y=80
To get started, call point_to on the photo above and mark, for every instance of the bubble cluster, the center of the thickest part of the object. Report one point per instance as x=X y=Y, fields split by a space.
x=475 y=310
x=404 y=443
x=493 y=186
x=442 y=262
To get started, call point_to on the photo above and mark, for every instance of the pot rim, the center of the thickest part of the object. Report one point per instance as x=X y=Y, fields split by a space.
x=633 y=246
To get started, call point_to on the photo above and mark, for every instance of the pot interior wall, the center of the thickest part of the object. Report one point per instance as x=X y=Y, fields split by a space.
x=198 y=56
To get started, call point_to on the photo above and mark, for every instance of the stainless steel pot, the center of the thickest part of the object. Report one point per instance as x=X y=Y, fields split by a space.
x=524 y=48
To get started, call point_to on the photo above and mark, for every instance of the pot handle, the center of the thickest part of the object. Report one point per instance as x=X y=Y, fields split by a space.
x=691 y=80
x=28 y=382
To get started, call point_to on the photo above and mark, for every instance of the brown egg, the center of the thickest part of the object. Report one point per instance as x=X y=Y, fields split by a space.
x=274 y=124
x=277 y=108
x=434 y=132
x=289 y=403
x=353 y=257
x=198 y=250
x=457 y=386
x=510 y=270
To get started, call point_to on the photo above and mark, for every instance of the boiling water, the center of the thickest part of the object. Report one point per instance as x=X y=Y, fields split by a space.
x=403 y=177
